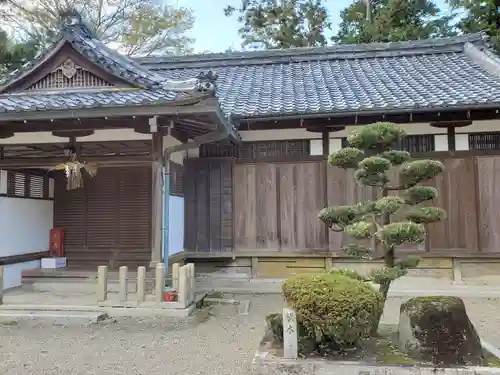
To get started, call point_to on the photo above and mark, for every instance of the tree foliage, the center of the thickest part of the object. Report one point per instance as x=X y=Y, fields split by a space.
x=393 y=21
x=282 y=23
x=140 y=27
x=376 y=227
x=479 y=16
x=14 y=53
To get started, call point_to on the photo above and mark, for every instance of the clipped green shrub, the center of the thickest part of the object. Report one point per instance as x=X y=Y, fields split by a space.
x=347 y=272
x=335 y=309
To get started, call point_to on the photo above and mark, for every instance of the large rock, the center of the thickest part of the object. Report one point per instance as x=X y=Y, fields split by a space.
x=438 y=330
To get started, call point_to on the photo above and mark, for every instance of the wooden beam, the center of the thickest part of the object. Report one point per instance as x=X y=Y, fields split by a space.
x=21 y=163
x=72 y=133
x=451 y=138
x=72 y=124
x=340 y=254
x=188 y=107
x=325 y=138
x=13 y=259
x=329 y=121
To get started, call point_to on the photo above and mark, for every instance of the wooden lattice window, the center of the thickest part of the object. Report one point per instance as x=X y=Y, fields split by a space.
x=412 y=143
x=270 y=149
x=27 y=185
x=214 y=150
x=69 y=75
x=258 y=150
x=176 y=179
x=484 y=141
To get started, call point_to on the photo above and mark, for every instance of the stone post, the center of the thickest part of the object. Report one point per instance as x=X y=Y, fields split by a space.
x=141 y=284
x=175 y=276
x=102 y=283
x=192 y=281
x=122 y=277
x=290 y=345
x=1 y=285
x=183 y=286
x=159 y=282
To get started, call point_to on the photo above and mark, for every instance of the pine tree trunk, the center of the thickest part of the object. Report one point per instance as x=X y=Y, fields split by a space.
x=389 y=261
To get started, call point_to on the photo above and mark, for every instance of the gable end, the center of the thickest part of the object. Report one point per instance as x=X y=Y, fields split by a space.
x=69 y=75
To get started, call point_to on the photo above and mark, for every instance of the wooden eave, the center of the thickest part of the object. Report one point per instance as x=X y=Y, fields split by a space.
x=334 y=120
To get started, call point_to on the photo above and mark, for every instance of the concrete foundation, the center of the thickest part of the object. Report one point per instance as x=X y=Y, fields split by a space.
x=146 y=309
x=265 y=363
x=162 y=308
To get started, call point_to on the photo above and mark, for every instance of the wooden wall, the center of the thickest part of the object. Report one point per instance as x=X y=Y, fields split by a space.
x=271 y=206
x=208 y=202
x=108 y=220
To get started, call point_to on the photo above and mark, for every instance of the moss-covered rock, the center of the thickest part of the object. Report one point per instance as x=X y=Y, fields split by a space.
x=335 y=309
x=438 y=330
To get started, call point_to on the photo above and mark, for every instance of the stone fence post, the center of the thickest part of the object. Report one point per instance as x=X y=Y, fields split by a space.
x=122 y=277
x=102 y=283
x=175 y=276
x=1 y=285
x=141 y=284
x=290 y=345
x=159 y=282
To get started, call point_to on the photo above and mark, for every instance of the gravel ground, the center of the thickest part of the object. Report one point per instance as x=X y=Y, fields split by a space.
x=217 y=340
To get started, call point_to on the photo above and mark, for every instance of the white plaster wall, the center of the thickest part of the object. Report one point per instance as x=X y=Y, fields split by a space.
x=441 y=141
x=176 y=225
x=316 y=146
x=177 y=157
x=24 y=228
x=98 y=136
x=12 y=273
x=25 y=225
x=462 y=142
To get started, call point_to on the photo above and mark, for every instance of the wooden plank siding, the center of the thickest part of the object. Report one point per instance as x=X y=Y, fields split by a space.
x=271 y=205
x=276 y=206
x=208 y=200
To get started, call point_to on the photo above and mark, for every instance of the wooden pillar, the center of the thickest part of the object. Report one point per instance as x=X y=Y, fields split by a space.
x=156 y=200
x=325 y=138
x=451 y=138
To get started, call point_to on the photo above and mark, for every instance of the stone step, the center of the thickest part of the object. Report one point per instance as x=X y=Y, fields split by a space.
x=9 y=315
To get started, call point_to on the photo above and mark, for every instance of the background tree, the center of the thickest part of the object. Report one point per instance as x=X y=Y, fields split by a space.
x=13 y=54
x=479 y=16
x=141 y=27
x=382 y=224
x=282 y=23
x=393 y=21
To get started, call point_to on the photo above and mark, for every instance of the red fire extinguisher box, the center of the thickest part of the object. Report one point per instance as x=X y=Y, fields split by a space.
x=56 y=246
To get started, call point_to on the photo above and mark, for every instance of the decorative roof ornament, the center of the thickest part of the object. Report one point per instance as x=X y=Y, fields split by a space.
x=70 y=20
x=68 y=68
x=203 y=83
x=207 y=82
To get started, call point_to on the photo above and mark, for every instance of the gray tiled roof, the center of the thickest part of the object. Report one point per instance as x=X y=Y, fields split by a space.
x=48 y=101
x=82 y=40
x=148 y=87
x=408 y=76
